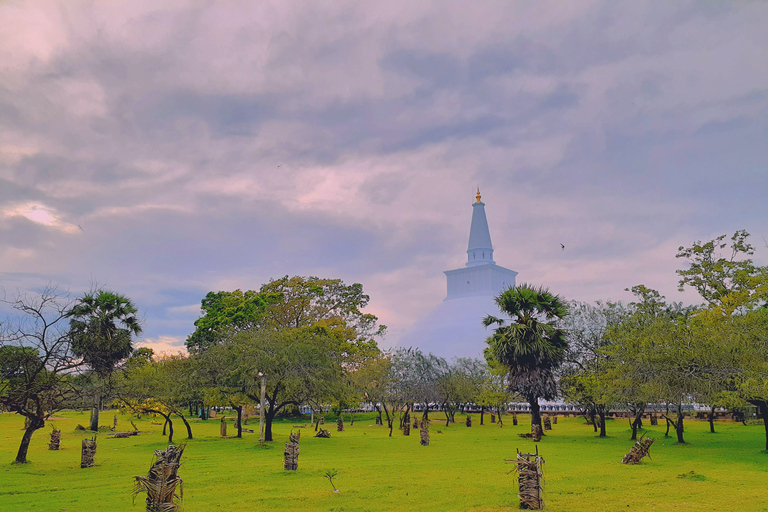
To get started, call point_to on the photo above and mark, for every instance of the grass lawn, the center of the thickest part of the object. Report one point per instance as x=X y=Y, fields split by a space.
x=463 y=468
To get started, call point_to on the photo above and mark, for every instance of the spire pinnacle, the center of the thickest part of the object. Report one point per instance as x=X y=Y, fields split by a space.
x=480 y=249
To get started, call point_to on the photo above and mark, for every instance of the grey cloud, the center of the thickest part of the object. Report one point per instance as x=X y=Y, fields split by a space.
x=590 y=126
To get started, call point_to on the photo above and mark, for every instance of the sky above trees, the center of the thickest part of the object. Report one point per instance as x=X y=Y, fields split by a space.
x=165 y=150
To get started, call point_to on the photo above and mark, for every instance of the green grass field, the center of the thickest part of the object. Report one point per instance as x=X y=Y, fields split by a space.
x=463 y=468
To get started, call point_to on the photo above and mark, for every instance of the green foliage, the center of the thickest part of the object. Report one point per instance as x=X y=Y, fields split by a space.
x=102 y=327
x=531 y=347
x=724 y=282
x=327 y=306
x=329 y=475
x=227 y=313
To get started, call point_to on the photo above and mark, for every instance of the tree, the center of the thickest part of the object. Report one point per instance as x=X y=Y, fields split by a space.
x=292 y=303
x=458 y=384
x=586 y=378
x=227 y=313
x=102 y=327
x=298 y=364
x=495 y=391
x=531 y=347
x=725 y=283
x=372 y=381
x=659 y=351
x=163 y=386
x=733 y=287
x=744 y=344
x=36 y=360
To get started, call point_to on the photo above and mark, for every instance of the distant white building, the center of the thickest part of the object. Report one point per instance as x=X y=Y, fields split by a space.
x=454 y=328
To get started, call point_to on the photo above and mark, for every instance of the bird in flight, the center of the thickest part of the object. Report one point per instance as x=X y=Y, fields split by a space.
x=561 y=245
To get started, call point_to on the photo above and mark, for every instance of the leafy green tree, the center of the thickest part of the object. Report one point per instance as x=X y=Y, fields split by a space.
x=458 y=384
x=744 y=354
x=371 y=380
x=330 y=304
x=584 y=378
x=102 y=327
x=296 y=309
x=531 y=347
x=227 y=313
x=726 y=283
x=494 y=393
x=36 y=360
x=292 y=303
x=659 y=351
x=299 y=365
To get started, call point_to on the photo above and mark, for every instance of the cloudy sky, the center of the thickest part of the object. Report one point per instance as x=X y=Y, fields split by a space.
x=166 y=149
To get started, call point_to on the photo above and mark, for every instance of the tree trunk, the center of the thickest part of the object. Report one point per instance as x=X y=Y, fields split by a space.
x=268 y=417
x=239 y=409
x=165 y=427
x=636 y=424
x=95 y=412
x=186 y=424
x=533 y=401
x=35 y=423
x=601 y=415
x=482 y=412
x=712 y=419
x=593 y=419
x=170 y=428
x=390 y=419
x=762 y=406
x=679 y=427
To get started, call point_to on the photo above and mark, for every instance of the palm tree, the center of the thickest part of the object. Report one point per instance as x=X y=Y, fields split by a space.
x=530 y=346
x=102 y=325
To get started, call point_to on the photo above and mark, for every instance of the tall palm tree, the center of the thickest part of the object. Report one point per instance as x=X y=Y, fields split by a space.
x=530 y=346
x=102 y=325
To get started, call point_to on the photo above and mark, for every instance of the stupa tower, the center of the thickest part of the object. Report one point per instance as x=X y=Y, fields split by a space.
x=480 y=276
x=454 y=328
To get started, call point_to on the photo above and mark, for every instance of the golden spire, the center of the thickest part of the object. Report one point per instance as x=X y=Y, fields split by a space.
x=478 y=194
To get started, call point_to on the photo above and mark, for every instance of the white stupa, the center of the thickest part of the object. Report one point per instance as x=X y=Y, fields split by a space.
x=454 y=328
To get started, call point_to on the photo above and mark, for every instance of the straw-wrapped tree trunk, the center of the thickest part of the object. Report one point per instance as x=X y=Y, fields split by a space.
x=424 y=433
x=55 y=443
x=640 y=449
x=291 y=452
x=161 y=482
x=529 y=478
x=88 y=453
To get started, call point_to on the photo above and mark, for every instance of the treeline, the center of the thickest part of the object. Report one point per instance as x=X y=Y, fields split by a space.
x=307 y=341
x=654 y=352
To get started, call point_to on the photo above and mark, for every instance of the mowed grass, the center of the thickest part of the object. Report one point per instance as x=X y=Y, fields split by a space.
x=463 y=469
